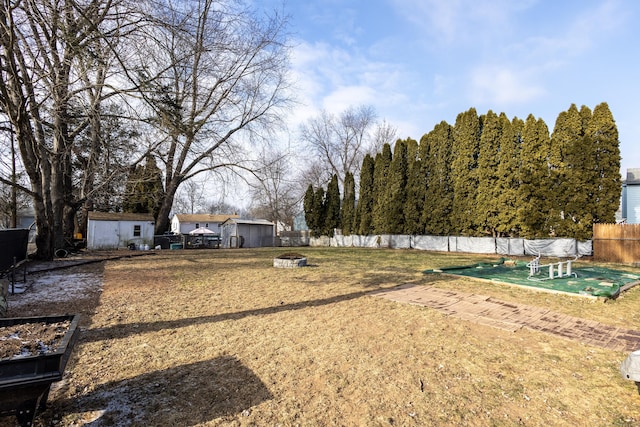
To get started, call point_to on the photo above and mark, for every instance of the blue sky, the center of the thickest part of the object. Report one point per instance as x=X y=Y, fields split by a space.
x=419 y=62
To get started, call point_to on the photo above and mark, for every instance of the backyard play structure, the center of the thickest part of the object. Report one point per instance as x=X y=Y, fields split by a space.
x=561 y=276
x=555 y=269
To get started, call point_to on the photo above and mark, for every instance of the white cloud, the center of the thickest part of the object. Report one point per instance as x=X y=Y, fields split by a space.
x=342 y=98
x=499 y=86
x=454 y=21
x=333 y=78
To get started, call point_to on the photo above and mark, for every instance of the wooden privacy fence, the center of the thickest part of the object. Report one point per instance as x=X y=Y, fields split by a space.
x=616 y=243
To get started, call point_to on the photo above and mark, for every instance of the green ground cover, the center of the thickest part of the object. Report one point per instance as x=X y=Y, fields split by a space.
x=591 y=281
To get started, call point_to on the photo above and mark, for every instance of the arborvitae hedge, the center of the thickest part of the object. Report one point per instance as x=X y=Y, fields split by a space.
x=508 y=183
x=332 y=207
x=364 y=208
x=380 y=182
x=308 y=205
x=534 y=204
x=396 y=189
x=490 y=176
x=348 y=205
x=436 y=151
x=319 y=213
x=464 y=172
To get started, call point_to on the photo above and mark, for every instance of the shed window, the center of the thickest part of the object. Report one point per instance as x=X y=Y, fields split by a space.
x=136 y=231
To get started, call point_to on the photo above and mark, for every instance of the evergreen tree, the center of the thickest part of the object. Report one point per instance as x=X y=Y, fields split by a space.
x=466 y=144
x=380 y=182
x=319 y=213
x=396 y=189
x=416 y=186
x=508 y=176
x=436 y=155
x=603 y=131
x=144 y=191
x=332 y=207
x=535 y=189
x=308 y=204
x=132 y=199
x=580 y=140
x=348 y=205
x=414 y=189
x=364 y=210
x=569 y=172
x=487 y=207
x=413 y=151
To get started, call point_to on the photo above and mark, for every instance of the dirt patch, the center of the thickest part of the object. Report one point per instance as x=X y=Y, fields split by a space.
x=221 y=338
x=31 y=339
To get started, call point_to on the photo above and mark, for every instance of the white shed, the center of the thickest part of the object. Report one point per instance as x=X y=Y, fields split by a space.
x=185 y=223
x=244 y=233
x=107 y=230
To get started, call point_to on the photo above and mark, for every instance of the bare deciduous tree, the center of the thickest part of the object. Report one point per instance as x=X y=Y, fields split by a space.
x=209 y=72
x=43 y=93
x=275 y=192
x=341 y=142
x=219 y=79
x=190 y=199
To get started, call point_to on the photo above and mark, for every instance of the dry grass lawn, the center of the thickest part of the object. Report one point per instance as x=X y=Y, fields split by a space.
x=208 y=338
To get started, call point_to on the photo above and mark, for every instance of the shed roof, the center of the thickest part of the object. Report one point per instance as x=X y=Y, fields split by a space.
x=119 y=216
x=249 y=221
x=207 y=218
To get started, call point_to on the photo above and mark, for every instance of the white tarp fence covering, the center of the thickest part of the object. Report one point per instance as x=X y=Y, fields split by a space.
x=585 y=248
x=550 y=247
x=475 y=245
x=320 y=241
x=560 y=248
x=342 y=241
x=510 y=246
x=402 y=241
x=365 y=241
x=430 y=243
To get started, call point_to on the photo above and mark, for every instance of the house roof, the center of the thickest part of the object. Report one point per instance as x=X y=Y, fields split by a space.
x=633 y=176
x=207 y=218
x=119 y=216
x=249 y=221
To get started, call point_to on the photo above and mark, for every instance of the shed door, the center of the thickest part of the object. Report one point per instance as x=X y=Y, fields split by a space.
x=104 y=234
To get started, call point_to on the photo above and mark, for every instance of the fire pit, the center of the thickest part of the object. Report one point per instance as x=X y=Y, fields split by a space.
x=25 y=379
x=290 y=260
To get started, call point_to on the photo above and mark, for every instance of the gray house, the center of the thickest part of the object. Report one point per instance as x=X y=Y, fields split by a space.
x=631 y=197
x=244 y=233
x=107 y=231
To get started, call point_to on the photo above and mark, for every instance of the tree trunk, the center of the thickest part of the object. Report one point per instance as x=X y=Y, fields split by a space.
x=44 y=236
x=163 y=221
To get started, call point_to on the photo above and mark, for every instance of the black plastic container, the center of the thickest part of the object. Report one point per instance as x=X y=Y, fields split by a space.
x=25 y=381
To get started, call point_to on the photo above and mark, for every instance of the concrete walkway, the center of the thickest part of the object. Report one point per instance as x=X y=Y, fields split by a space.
x=489 y=311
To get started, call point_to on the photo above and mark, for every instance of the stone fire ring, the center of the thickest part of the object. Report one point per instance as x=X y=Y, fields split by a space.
x=289 y=261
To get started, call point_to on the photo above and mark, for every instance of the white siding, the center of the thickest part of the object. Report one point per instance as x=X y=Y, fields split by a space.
x=108 y=235
x=633 y=204
x=186 y=227
x=175 y=224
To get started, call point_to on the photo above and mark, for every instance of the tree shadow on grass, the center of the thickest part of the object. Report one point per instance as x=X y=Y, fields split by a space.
x=184 y=395
x=125 y=330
